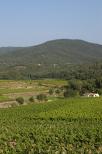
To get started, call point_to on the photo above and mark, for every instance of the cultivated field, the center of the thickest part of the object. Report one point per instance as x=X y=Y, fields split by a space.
x=10 y=90
x=62 y=126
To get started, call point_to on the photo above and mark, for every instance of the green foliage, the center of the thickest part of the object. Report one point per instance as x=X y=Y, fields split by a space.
x=63 y=126
x=99 y=91
x=98 y=82
x=80 y=87
x=51 y=91
x=70 y=93
x=20 y=100
x=75 y=84
x=31 y=99
x=42 y=97
x=57 y=91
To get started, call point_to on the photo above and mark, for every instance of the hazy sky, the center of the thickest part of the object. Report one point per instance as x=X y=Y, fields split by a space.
x=29 y=22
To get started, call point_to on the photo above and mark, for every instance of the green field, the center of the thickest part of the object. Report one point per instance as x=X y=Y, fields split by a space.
x=63 y=126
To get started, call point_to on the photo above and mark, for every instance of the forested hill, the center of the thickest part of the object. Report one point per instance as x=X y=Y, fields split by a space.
x=56 y=51
x=48 y=57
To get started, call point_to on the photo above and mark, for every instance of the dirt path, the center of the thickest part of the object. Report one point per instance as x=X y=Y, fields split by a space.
x=7 y=104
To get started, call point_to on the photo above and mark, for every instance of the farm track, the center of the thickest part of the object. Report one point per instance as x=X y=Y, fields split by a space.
x=7 y=104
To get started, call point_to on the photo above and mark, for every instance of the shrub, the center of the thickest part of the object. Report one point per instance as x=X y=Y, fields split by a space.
x=31 y=99
x=70 y=93
x=41 y=97
x=57 y=91
x=51 y=91
x=75 y=84
x=20 y=100
x=99 y=91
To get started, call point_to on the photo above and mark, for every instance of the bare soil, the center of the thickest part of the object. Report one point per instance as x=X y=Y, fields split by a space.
x=8 y=104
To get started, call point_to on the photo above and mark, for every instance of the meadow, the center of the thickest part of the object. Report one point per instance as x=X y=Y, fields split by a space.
x=61 y=126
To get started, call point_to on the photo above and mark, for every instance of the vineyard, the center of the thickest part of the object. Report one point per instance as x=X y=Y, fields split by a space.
x=63 y=126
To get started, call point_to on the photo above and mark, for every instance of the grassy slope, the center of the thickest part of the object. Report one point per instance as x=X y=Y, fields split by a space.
x=73 y=125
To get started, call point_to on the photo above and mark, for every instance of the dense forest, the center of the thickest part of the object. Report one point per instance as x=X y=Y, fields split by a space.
x=82 y=72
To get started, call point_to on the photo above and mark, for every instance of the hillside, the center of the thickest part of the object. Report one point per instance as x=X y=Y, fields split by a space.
x=57 y=51
x=48 y=57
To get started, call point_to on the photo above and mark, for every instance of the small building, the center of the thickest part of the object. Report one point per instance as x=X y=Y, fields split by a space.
x=91 y=95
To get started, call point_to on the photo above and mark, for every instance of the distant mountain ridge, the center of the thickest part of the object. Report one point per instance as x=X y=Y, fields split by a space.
x=49 y=55
x=56 y=51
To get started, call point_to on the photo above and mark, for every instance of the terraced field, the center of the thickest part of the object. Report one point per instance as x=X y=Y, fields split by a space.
x=10 y=90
